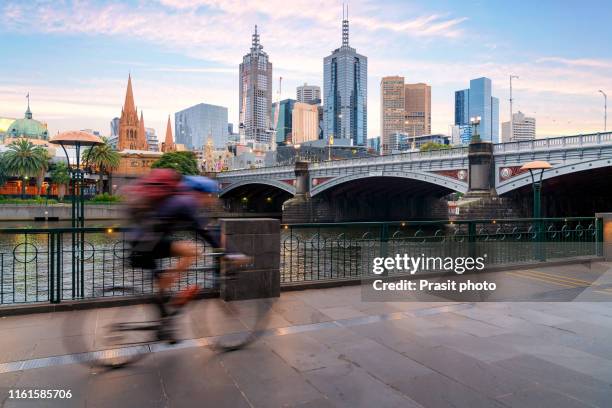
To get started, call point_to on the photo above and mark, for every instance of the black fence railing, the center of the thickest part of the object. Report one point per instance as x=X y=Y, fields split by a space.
x=312 y=252
x=43 y=265
x=38 y=265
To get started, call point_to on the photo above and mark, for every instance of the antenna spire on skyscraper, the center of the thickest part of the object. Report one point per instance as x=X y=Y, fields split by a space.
x=345 y=27
x=255 y=39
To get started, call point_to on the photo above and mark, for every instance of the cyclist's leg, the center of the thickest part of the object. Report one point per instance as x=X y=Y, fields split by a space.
x=186 y=253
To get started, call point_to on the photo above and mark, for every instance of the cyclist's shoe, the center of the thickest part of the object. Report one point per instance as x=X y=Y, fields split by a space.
x=184 y=296
x=165 y=332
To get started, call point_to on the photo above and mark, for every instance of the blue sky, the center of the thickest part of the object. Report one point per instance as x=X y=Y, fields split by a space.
x=74 y=57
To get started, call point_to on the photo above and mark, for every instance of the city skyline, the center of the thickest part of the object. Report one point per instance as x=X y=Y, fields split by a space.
x=86 y=49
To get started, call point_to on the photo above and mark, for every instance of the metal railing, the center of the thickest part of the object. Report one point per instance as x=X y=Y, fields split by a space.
x=311 y=252
x=591 y=139
x=36 y=265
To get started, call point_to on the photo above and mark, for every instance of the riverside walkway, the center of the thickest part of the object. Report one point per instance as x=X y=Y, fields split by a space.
x=328 y=348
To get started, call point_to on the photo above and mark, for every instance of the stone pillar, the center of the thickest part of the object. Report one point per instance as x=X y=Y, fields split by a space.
x=481 y=180
x=605 y=223
x=258 y=238
x=302 y=178
x=299 y=208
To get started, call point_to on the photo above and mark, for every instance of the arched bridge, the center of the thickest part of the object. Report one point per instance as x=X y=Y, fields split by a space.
x=443 y=170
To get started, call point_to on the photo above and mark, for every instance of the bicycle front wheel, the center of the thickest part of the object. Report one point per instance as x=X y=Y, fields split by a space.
x=113 y=337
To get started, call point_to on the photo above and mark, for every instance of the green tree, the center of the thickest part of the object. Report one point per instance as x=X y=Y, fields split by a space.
x=23 y=159
x=183 y=162
x=3 y=172
x=105 y=159
x=60 y=176
x=425 y=147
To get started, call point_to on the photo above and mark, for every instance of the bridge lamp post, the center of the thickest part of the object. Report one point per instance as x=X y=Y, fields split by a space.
x=536 y=183
x=475 y=121
x=605 y=110
x=297 y=152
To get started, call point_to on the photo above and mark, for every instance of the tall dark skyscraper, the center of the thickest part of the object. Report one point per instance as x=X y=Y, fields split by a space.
x=345 y=90
x=256 y=94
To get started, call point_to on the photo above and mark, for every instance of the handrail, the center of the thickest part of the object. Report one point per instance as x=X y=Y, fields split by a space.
x=435 y=222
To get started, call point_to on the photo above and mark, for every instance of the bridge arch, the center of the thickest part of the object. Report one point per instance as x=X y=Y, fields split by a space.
x=558 y=170
x=268 y=182
x=435 y=179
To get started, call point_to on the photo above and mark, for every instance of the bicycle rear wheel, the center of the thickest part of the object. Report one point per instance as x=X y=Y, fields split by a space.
x=113 y=337
x=232 y=324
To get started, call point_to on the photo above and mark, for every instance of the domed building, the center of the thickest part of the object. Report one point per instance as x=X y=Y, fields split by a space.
x=28 y=128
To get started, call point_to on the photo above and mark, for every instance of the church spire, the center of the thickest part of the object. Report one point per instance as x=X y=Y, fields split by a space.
x=129 y=105
x=142 y=135
x=168 y=144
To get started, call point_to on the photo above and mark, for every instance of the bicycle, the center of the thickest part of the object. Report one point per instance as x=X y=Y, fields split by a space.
x=125 y=335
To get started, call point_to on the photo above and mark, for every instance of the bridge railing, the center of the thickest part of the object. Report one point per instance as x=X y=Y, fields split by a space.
x=312 y=252
x=590 y=139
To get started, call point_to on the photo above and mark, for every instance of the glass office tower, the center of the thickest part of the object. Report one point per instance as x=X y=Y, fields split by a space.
x=345 y=89
x=478 y=102
x=193 y=126
x=282 y=120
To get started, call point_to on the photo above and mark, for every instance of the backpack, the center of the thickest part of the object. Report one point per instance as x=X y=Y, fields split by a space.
x=152 y=189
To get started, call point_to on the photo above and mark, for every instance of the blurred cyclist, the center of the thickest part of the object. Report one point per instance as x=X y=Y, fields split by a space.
x=162 y=204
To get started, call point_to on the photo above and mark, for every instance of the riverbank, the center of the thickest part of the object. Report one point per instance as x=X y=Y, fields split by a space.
x=115 y=212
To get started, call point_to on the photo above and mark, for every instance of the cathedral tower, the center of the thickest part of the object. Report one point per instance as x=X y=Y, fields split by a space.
x=131 y=129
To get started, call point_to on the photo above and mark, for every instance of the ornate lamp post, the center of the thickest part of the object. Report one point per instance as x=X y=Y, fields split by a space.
x=77 y=140
x=536 y=185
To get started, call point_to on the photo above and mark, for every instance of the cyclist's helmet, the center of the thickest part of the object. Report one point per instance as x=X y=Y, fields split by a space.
x=201 y=184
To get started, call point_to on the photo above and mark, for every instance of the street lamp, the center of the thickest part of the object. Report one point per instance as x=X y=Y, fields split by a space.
x=605 y=110
x=511 y=114
x=542 y=166
x=475 y=121
x=297 y=152
x=77 y=139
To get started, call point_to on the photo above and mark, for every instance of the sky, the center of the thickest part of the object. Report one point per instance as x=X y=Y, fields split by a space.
x=73 y=57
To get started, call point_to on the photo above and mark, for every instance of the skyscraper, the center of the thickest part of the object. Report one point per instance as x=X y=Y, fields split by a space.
x=256 y=94
x=194 y=125
x=523 y=128
x=282 y=118
x=478 y=102
x=152 y=140
x=418 y=109
x=310 y=94
x=405 y=108
x=392 y=108
x=345 y=88
x=305 y=123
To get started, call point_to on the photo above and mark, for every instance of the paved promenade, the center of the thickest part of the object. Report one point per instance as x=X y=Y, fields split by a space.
x=327 y=348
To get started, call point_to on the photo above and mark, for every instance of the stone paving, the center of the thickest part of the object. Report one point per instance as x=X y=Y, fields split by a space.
x=343 y=352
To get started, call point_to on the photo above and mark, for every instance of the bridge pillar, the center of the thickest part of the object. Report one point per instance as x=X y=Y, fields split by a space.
x=481 y=168
x=302 y=179
x=481 y=200
x=299 y=208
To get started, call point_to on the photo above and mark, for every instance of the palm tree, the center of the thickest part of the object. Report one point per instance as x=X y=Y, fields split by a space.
x=60 y=176
x=23 y=159
x=3 y=173
x=105 y=159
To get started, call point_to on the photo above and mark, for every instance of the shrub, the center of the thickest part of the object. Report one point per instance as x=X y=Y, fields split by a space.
x=106 y=198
